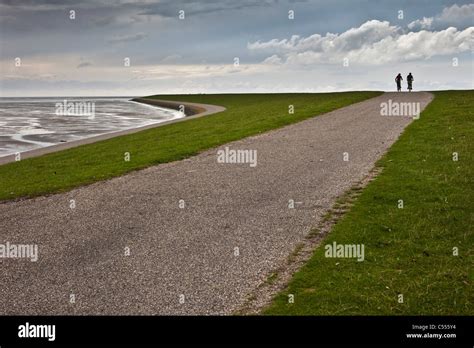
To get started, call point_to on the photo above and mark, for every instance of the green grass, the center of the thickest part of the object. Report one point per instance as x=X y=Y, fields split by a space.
x=246 y=115
x=408 y=251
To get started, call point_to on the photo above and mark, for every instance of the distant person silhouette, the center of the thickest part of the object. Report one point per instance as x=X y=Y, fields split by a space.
x=410 y=79
x=398 y=80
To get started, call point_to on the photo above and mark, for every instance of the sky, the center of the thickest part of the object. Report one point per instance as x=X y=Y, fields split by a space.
x=134 y=48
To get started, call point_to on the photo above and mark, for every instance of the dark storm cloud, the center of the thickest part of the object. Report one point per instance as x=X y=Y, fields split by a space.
x=165 y=8
x=171 y=8
x=128 y=38
x=84 y=65
x=54 y=4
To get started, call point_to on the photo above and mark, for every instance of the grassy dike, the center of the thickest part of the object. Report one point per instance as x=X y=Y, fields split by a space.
x=246 y=115
x=408 y=251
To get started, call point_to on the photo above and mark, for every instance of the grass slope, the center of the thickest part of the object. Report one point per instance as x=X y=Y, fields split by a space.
x=408 y=251
x=245 y=115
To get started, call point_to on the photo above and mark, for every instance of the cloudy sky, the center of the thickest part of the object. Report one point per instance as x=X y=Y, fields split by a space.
x=82 y=48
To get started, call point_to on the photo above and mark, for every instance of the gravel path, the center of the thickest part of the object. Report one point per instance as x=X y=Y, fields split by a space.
x=185 y=260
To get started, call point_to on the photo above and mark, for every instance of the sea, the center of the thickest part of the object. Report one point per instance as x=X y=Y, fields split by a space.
x=31 y=123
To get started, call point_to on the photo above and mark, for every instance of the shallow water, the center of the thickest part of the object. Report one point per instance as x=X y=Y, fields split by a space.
x=30 y=123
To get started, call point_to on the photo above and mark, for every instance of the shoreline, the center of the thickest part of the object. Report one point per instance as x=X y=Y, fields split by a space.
x=191 y=110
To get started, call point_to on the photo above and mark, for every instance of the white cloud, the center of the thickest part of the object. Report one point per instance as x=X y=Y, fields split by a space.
x=460 y=17
x=374 y=42
x=273 y=60
x=421 y=24
x=369 y=32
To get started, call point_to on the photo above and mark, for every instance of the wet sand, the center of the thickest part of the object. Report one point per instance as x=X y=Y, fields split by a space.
x=191 y=110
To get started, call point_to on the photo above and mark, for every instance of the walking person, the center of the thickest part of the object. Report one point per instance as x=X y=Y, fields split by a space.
x=398 y=80
x=410 y=79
